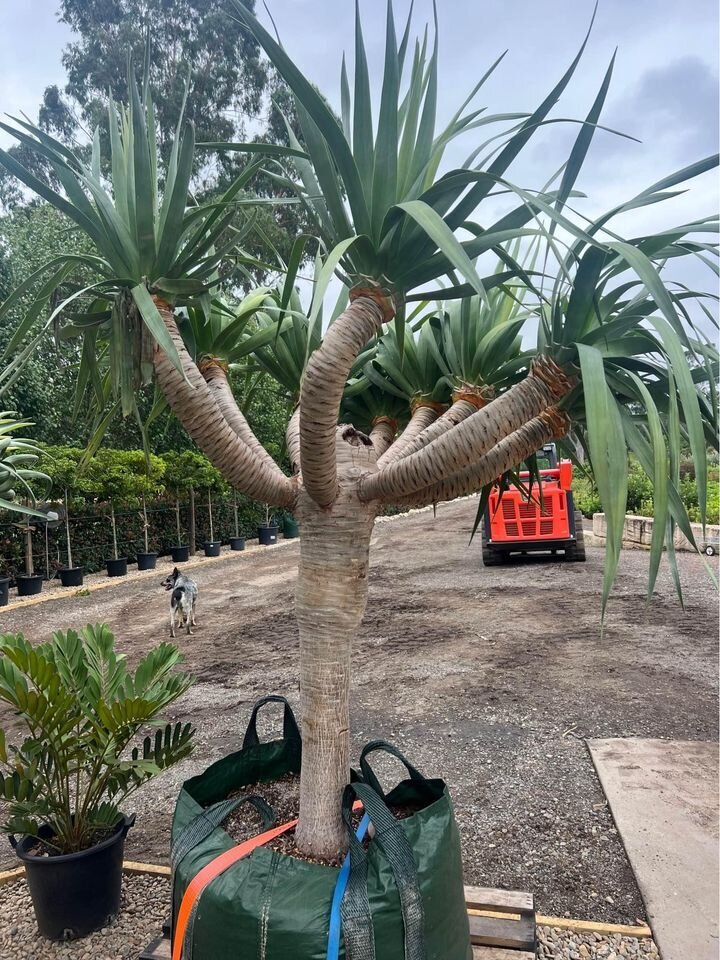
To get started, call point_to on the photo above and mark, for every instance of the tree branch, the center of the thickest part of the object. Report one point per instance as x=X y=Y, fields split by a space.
x=292 y=440
x=511 y=451
x=423 y=414
x=191 y=400
x=464 y=404
x=323 y=385
x=465 y=443
x=215 y=374
x=382 y=434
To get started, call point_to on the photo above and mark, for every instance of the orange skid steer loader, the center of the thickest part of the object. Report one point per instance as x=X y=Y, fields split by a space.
x=518 y=522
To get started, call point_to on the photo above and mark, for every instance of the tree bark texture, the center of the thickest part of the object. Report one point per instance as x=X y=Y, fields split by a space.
x=322 y=390
x=422 y=416
x=511 y=451
x=292 y=440
x=382 y=434
x=216 y=377
x=459 y=411
x=331 y=597
x=191 y=400
x=465 y=443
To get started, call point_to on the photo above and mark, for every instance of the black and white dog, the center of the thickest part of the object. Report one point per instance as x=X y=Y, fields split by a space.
x=182 y=600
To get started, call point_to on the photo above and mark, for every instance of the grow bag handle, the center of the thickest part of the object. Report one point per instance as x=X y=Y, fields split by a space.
x=202 y=825
x=355 y=908
x=291 y=731
x=369 y=774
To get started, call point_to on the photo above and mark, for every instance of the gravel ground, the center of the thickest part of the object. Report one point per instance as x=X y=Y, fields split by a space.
x=491 y=678
x=557 y=944
x=145 y=907
x=143 y=910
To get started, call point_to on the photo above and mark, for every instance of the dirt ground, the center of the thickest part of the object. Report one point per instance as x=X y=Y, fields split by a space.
x=490 y=678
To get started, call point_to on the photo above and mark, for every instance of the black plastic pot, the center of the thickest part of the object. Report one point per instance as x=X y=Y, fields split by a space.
x=146 y=561
x=71 y=576
x=4 y=596
x=237 y=543
x=76 y=893
x=212 y=549
x=28 y=584
x=180 y=554
x=267 y=535
x=116 y=568
x=290 y=528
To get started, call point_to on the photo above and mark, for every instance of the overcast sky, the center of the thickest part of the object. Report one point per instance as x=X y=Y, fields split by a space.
x=664 y=90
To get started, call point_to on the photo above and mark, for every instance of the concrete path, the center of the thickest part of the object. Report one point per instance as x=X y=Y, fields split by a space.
x=663 y=795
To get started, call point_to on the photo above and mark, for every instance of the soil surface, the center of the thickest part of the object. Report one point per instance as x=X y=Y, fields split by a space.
x=490 y=678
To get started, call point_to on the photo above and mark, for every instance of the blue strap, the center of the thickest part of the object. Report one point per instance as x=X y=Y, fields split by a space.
x=333 y=950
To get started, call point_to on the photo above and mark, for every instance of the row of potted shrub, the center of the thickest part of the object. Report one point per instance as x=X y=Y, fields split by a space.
x=30 y=583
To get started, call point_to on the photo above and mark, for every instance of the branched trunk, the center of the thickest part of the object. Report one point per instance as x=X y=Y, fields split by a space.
x=292 y=440
x=466 y=443
x=513 y=450
x=323 y=385
x=216 y=378
x=459 y=411
x=191 y=400
x=382 y=434
x=331 y=596
x=423 y=414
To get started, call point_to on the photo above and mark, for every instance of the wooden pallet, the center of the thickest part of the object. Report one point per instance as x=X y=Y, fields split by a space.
x=502 y=926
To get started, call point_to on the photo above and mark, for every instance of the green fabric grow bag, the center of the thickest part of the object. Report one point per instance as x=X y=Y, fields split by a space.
x=269 y=906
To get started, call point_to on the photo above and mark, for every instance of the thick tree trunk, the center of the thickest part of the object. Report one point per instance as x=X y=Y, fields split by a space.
x=331 y=596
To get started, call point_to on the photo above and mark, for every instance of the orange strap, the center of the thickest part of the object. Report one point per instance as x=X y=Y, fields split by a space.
x=213 y=869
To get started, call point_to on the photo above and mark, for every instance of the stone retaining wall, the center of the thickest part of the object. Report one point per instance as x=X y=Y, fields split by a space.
x=637 y=532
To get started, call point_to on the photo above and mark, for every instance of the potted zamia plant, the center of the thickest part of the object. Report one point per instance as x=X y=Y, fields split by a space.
x=212 y=546
x=268 y=531
x=68 y=781
x=146 y=560
x=70 y=576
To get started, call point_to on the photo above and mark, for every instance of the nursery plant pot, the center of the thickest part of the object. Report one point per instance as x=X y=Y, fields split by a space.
x=267 y=535
x=146 y=561
x=71 y=576
x=290 y=528
x=75 y=893
x=237 y=543
x=28 y=584
x=4 y=595
x=117 y=568
x=180 y=554
x=212 y=549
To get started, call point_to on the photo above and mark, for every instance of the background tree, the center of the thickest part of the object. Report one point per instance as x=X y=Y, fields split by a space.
x=389 y=225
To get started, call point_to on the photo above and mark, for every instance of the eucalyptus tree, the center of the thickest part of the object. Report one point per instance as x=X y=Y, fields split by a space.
x=388 y=225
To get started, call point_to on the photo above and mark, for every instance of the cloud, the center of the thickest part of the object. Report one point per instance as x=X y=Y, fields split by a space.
x=677 y=102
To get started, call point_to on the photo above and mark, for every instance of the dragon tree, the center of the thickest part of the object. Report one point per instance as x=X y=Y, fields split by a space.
x=395 y=405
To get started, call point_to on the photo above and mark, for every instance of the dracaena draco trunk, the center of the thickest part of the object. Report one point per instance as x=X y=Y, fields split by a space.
x=336 y=495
